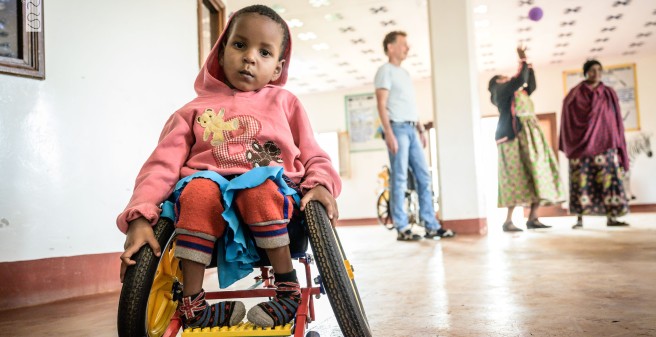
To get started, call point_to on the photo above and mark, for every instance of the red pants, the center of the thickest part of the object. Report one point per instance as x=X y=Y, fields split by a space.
x=200 y=223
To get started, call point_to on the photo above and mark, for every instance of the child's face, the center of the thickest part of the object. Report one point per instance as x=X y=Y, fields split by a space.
x=251 y=56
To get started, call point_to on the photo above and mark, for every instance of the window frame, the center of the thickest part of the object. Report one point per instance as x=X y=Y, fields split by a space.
x=32 y=62
x=216 y=25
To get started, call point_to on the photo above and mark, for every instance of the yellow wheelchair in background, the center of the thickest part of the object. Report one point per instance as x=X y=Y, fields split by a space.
x=383 y=201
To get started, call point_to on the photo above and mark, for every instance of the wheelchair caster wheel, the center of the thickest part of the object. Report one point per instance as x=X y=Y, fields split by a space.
x=312 y=334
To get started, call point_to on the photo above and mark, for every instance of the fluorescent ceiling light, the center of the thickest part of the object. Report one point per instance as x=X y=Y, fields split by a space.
x=481 y=23
x=480 y=9
x=321 y=46
x=278 y=8
x=483 y=35
x=319 y=3
x=307 y=36
x=333 y=17
x=293 y=23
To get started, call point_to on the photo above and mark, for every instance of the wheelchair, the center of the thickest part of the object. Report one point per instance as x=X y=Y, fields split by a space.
x=152 y=288
x=383 y=201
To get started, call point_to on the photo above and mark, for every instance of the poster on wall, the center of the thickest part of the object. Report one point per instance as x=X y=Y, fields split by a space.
x=363 y=123
x=623 y=79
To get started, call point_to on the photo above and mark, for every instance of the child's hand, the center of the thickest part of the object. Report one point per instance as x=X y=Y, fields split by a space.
x=139 y=233
x=321 y=194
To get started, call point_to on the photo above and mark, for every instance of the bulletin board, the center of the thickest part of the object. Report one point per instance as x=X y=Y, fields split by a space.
x=363 y=123
x=623 y=79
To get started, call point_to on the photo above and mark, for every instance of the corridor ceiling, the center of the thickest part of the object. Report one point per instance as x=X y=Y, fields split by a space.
x=337 y=44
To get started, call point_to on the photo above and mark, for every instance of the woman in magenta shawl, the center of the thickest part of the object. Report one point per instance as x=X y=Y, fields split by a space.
x=592 y=138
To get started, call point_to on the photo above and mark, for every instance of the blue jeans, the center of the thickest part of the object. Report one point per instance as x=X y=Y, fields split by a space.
x=410 y=153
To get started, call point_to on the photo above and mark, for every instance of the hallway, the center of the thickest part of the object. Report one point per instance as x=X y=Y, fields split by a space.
x=592 y=282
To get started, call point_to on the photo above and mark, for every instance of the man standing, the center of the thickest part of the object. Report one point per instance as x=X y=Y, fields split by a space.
x=405 y=137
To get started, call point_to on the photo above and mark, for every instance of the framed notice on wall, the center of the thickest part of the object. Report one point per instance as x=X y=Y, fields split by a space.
x=623 y=79
x=363 y=123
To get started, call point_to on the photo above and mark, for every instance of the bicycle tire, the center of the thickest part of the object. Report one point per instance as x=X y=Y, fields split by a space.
x=337 y=280
x=138 y=283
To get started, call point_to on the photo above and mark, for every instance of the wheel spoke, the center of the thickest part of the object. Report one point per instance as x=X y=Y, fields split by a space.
x=383 y=209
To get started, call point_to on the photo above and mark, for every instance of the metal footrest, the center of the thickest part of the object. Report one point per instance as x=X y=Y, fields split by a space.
x=242 y=329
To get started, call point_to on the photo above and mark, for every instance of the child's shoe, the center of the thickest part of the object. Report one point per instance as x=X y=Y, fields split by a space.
x=282 y=308
x=195 y=312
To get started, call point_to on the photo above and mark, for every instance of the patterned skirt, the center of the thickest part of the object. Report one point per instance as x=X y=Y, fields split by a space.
x=596 y=186
x=528 y=170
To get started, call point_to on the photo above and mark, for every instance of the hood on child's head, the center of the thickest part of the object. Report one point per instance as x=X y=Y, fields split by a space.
x=211 y=75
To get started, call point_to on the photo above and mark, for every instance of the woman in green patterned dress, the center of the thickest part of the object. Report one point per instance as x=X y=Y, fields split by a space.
x=528 y=170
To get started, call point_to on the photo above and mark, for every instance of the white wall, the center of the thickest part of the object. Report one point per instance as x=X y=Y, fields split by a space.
x=549 y=98
x=71 y=145
x=326 y=112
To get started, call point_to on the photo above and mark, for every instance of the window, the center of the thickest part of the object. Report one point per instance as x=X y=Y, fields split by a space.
x=328 y=142
x=336 y=145
x=21 y=38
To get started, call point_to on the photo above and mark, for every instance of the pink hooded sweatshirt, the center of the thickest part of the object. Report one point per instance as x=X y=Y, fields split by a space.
x=231 y=132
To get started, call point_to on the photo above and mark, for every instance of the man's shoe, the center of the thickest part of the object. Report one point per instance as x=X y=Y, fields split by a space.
x=535 y=224
x=510 y=227
x=439 y=233
x=408 y=235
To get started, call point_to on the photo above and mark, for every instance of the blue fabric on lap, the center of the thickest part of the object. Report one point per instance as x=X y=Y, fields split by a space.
x=236 y=252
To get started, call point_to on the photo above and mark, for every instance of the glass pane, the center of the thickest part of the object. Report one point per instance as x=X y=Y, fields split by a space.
x=329 y=142
x=206 y=34
x=10 y=29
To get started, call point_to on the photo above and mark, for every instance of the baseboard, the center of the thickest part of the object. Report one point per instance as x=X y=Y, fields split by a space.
x=467 y=226
x=357 y=222
x=464 y=226
x=643 y=208
x=557 y=210
x=27 y=283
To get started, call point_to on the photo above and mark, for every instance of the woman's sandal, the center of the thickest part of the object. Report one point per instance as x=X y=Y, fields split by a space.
x=615 y=223
x=510 y=227
x=535 y=224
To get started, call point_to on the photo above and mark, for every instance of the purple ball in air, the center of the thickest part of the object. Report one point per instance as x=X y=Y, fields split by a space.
x=535 y=14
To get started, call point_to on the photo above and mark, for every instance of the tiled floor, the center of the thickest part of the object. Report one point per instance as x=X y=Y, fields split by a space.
x=560 y=282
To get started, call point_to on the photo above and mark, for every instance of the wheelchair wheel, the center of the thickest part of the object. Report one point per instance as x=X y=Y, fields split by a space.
x=336 y=273
x=383 y=210
x=412 y=208
x=146 y=305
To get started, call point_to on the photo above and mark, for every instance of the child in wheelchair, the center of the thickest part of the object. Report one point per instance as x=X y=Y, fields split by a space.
x=241 y=153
